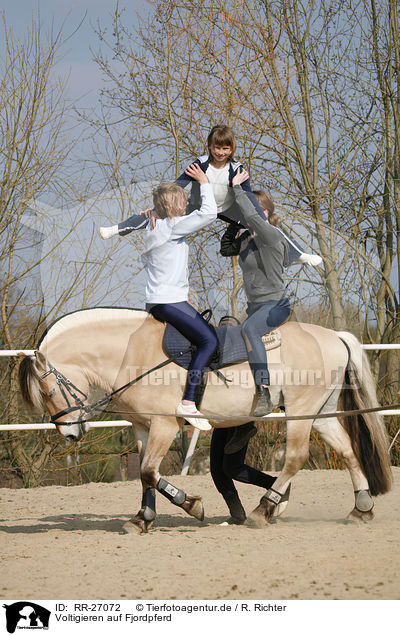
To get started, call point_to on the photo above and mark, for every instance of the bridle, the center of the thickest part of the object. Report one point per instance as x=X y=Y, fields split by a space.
x=67 y=388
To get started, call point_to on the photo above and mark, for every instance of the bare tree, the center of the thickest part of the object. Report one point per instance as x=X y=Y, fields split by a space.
x=292 y=79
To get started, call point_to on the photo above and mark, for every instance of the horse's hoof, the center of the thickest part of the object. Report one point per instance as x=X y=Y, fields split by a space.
x=262 y=514
x=357 y=515
x=194 y=507
x=258 y=518
x=280 y=509
x=269 y=509
x=136 y=526
x=256 y=521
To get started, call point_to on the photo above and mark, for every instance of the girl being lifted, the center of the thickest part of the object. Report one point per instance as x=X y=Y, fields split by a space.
x=220 y=167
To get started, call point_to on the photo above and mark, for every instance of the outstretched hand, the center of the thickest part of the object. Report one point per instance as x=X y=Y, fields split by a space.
x=195 y=172
x=240 y=177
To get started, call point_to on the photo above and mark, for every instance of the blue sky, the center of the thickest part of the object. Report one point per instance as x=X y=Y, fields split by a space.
x=85 y=81
x=75 y=56
x=77 y=21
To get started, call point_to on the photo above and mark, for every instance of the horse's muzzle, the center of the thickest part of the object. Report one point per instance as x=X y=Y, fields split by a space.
x=73 y=431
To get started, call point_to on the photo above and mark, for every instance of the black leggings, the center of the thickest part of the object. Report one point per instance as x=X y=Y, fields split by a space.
x=226 y=468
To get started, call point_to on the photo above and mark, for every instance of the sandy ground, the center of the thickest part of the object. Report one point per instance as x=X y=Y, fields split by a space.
x=66 y=543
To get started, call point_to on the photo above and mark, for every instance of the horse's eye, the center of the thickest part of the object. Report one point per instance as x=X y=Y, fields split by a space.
x=52 y=393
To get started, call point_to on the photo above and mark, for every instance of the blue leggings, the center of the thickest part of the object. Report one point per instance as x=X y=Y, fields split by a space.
x=262 y=318
x=190 y=324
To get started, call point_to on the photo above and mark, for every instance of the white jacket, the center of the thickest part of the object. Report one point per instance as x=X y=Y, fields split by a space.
x=166 y=251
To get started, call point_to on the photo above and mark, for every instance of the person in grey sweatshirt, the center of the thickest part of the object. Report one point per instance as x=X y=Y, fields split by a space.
x=263 y=254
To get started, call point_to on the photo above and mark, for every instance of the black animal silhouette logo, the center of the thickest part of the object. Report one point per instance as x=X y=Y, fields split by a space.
x=26 y=615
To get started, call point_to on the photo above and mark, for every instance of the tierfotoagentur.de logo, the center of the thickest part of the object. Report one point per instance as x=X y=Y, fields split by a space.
x=26 y=615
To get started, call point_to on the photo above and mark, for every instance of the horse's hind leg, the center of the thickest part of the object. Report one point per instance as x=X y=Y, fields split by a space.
x=160 y=437
x=297 y=447
x=333 y=433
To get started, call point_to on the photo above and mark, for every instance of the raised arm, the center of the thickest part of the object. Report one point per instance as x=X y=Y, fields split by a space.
x=198 y=218
x=184 y=179
x=245 y=185
x=266 y=232
x=180 y=226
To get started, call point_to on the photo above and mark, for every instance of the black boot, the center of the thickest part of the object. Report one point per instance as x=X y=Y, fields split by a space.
x=238 y=514
x=240 y=436
x=264 y=404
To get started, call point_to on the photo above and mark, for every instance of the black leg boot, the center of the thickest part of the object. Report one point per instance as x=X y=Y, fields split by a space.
x=238 y=514
x=241 y=435
x=264 y=405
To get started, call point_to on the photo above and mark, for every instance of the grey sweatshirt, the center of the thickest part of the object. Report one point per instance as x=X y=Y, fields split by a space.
x=262 y=253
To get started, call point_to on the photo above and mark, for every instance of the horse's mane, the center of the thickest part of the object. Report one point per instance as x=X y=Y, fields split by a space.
x=83 y=317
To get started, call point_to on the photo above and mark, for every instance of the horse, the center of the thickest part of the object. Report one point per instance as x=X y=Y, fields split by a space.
x=314 y=371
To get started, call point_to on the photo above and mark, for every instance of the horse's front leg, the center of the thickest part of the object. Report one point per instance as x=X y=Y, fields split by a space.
x=297 y=448
x=143 y=520
x=192 y=504
x=161 y=434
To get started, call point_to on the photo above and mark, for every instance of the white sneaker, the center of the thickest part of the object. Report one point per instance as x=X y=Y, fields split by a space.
x=108 y=232
x=186 y=410
x=309 y=259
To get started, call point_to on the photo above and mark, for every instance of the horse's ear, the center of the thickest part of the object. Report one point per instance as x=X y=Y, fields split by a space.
x=41 y=362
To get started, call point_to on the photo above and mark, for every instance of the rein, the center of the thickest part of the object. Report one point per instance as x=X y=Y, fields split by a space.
x=66 y=386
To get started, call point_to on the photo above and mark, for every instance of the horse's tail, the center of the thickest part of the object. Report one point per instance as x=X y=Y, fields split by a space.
x=367 y=431
x=29 y=382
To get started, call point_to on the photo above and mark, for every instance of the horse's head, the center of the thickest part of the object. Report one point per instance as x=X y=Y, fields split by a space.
x=63 y=393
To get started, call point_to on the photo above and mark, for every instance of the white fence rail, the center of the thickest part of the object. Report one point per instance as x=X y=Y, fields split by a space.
x=9 y=353
x=44 y=426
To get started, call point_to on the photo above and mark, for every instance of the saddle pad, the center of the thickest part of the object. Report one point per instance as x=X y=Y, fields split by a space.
x=231 y=347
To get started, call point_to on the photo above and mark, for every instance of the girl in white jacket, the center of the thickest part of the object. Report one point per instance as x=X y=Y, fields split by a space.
x=165 y=256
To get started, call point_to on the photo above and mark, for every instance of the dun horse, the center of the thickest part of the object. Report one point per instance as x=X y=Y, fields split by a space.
x=314 y=371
